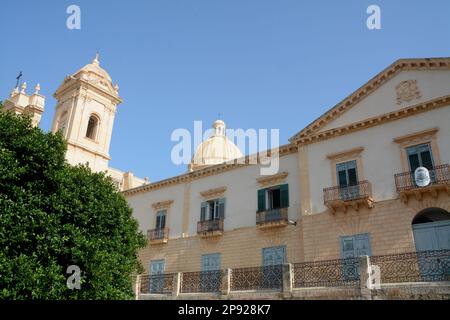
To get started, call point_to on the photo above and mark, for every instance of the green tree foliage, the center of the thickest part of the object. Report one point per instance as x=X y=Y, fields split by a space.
x=53 y=215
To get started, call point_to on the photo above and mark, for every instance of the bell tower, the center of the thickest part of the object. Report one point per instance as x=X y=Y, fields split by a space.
x=86 y=105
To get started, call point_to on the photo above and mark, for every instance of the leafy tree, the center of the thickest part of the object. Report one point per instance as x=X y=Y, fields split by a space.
x=53 y=215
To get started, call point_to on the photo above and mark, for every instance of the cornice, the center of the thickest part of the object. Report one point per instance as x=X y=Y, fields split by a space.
x=417 y=135
x=206 y=172
x=213 y=193
x=273 y=179
x=162 y=204
x=345 y=154
x=374 y=121
x=82 y=83
x=76 y=145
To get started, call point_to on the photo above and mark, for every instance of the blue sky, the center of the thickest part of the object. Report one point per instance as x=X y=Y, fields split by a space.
x=259 y=63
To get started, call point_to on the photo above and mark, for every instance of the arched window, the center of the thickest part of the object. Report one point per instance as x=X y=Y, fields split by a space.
x=431 y=215
x=92 y=127
x=431 y=228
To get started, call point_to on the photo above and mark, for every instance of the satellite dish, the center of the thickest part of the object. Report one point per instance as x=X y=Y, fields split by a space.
x=422 y=177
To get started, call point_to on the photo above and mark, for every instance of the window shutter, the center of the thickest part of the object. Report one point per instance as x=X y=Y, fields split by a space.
x=203 y=211
x=284 y=195
x=262 y=200
x=222 y=208
x=163 y=221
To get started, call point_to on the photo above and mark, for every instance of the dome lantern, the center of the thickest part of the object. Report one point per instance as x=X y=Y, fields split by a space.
x=216 y=149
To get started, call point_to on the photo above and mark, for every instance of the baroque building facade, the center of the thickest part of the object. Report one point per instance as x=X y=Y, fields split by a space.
x=346 y=184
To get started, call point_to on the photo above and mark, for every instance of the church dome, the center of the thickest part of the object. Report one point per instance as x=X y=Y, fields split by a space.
x=94 y=67
x=215 y=150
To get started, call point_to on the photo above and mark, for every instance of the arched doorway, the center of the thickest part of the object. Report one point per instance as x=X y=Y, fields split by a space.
x=431 y=229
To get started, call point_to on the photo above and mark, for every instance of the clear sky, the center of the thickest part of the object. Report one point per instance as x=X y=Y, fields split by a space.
x=259 y=63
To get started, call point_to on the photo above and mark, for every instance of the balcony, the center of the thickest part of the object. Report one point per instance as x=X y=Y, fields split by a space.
x=348 y=197
x=272 y=218
x=210 y=228
x=157 y=236
x=440 y=181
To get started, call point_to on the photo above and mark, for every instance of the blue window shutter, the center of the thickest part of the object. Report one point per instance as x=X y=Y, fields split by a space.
x=284 y=196
x=222 y=208
x=203 y=210
x=262 y=200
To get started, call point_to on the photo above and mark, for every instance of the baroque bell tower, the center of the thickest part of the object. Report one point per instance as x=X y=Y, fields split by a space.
x=86 y=105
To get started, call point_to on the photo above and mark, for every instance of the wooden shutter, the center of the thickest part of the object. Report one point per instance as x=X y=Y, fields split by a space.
x=284 y=196
x=262 y=200
x=161 y=219
x=203 y=210
x=222 y=208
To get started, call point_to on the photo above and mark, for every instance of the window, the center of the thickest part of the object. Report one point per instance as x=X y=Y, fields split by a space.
x=355 y=245
x=274 y=256
x=273 y=198
x=156 y=279
x=420 y=156
x=161 y=219
x=92 y=127
x=213 y=210
x=211 y=262
x=347 y=179
x=210 y=277
x=347 y=174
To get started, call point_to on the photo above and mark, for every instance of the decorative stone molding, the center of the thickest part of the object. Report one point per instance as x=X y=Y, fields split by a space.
x=272 y=180
x=417 y=137
x=368 y=88
x=346 y=154
x=425 y=136
x=162 y=205
x=378 y=120
x=206 y=172
x=407 y=91
x=213 y=193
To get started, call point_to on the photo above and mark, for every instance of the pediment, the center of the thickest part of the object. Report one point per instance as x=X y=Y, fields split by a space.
x=402 y=85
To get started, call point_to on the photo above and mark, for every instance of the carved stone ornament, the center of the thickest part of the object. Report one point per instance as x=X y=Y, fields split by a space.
x=407 y=91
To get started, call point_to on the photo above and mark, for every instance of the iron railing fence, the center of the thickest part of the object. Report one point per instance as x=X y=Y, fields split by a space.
x=327 y=273
x=422 y=266
x=438 y=175
x=203 y=281
x=158 y=234
x=257 y=278
x=273 y=215
x=208 y=226
x=362 y=190
x=158 y=284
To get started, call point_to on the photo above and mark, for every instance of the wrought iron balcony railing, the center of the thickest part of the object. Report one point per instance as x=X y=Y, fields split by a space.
x=208 y=227
x=439 y=175
x=328 y=273
x=158 y=235
x=257 y=278
x=336 y=197
x=277 y=216
x=421 y=266
x=160 y=284
x=203 y=281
